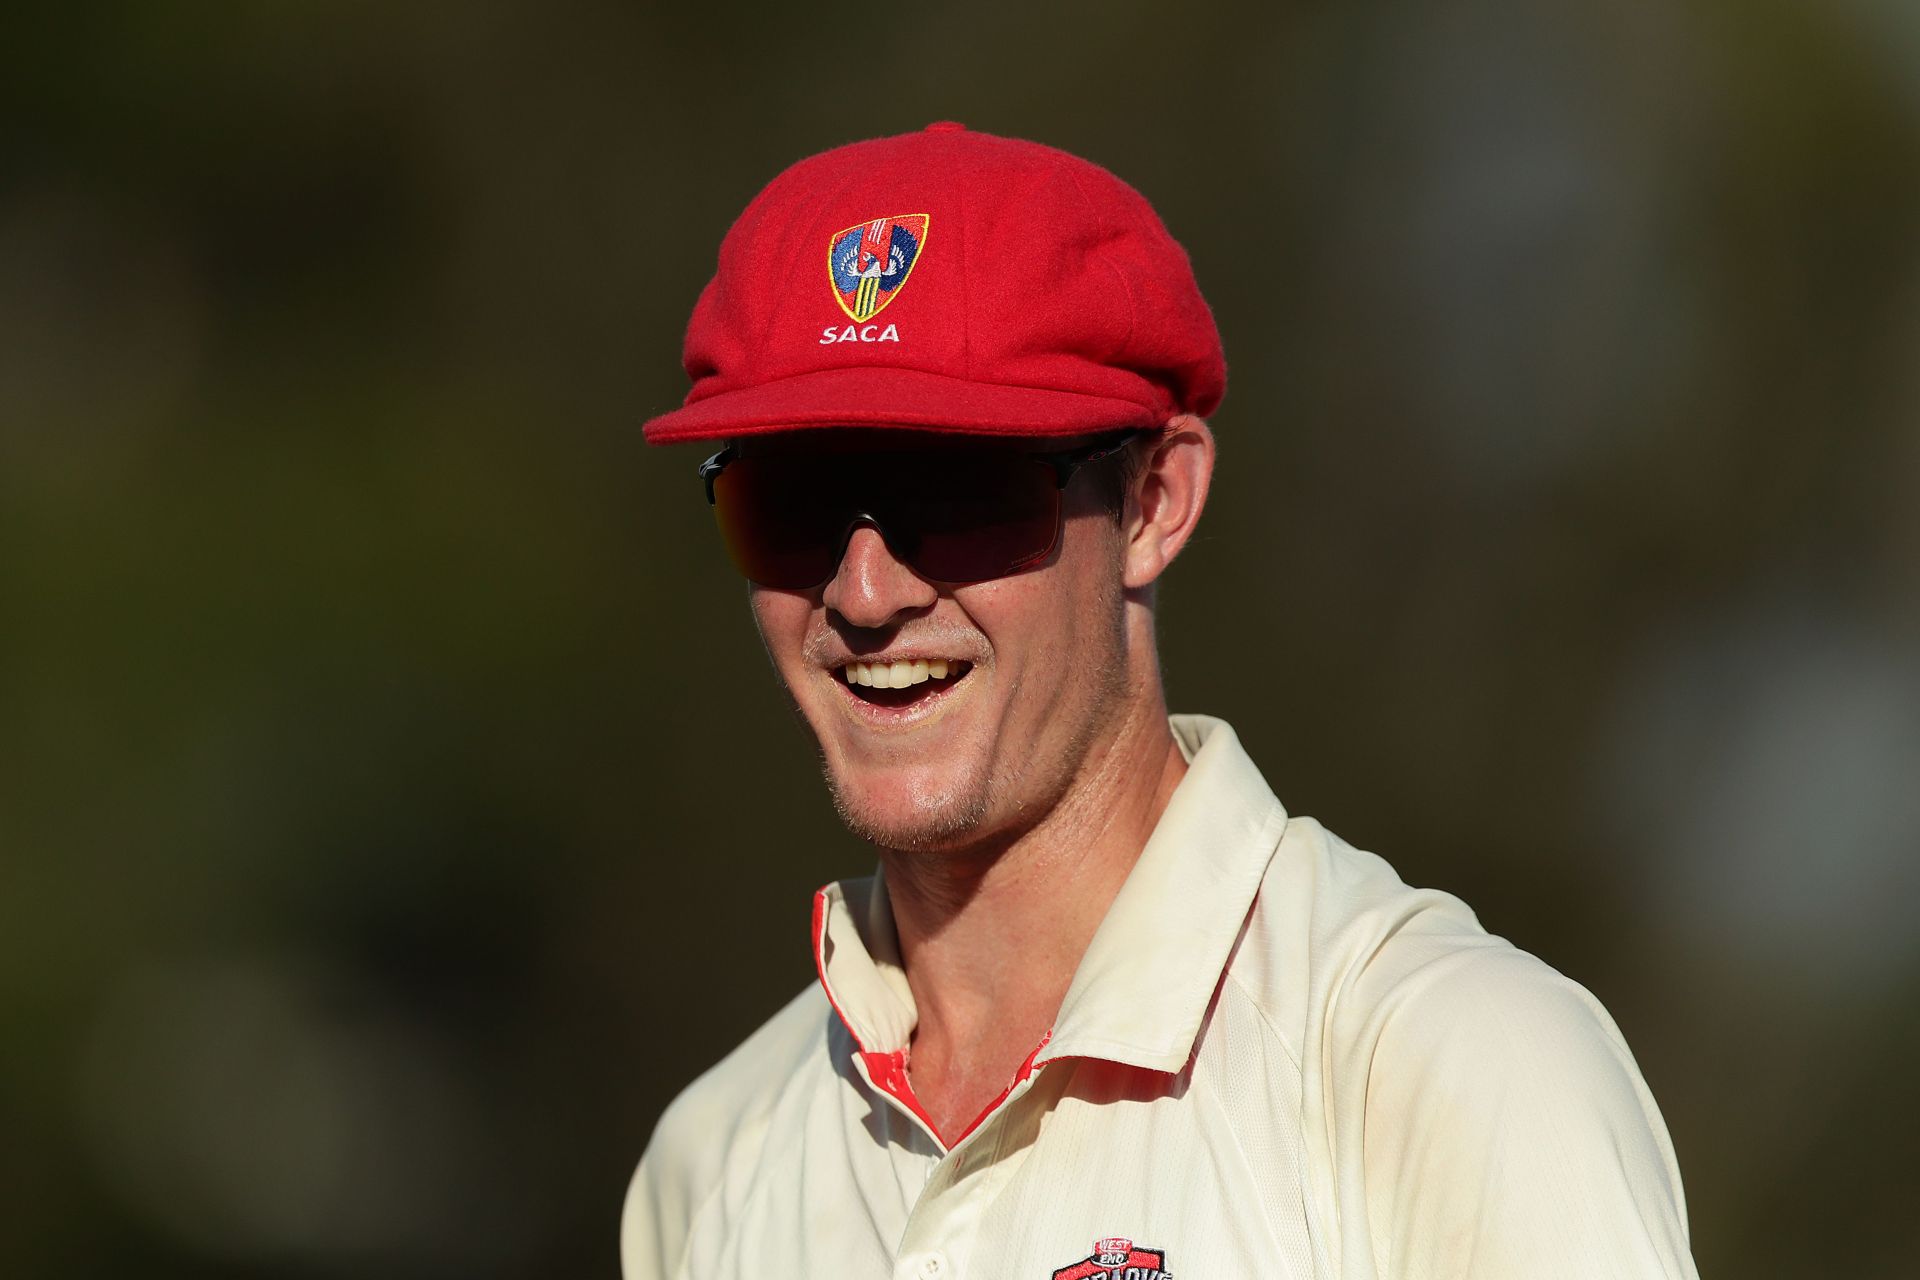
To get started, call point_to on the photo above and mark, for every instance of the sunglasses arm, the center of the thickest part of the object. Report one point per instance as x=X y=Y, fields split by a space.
x=712 y=467
x=1065 y=464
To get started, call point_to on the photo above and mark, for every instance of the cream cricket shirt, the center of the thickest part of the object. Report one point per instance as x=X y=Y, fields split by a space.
x=1275 y=1060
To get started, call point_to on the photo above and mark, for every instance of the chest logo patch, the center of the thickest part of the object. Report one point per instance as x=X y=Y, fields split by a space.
x=1118 y=1258
x=867 y=264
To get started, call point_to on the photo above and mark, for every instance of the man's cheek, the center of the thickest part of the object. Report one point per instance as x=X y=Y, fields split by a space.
x=782 y=626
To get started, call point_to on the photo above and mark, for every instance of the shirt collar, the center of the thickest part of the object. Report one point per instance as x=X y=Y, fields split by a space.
x=1148 y=977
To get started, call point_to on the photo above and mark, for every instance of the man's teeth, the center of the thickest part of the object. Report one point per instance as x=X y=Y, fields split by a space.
x=898 y=675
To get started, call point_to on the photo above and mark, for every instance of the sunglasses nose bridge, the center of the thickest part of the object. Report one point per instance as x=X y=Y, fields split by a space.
x=873 y=585
x=858 y=519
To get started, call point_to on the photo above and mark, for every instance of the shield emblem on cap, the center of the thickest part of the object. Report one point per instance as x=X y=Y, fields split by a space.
x=868 y=264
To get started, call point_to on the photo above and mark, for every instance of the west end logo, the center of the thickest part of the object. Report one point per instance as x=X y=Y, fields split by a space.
x=867 y=264
x=1118 y=1258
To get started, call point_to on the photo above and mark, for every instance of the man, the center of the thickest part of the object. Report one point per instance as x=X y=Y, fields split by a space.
x=1106 y=1011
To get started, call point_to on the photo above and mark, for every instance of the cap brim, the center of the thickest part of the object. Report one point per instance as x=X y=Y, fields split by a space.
x=870 y=396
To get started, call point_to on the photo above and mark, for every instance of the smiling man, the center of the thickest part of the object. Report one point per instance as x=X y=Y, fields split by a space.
x=1106 y=1011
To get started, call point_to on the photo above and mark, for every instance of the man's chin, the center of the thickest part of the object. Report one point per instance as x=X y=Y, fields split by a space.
x=897 y=814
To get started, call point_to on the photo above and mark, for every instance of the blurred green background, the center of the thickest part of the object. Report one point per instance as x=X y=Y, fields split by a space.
x=395 y=806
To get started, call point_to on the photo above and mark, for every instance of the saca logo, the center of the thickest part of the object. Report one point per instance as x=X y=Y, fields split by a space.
x=863 y=333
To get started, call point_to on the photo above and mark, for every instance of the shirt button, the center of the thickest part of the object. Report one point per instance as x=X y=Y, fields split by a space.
x=933 y=1266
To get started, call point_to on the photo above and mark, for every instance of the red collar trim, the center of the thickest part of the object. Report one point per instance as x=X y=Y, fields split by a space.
x=888 y=1069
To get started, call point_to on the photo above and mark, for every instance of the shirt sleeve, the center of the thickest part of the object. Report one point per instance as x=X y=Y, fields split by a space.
x=668 y=1190
x=1509 y=1134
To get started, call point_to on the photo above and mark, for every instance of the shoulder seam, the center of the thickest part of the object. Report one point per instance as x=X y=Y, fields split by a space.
x=699 y=1216
x=1266 y=1020
x=754 y=1128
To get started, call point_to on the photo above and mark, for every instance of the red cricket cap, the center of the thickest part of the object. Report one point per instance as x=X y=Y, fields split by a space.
x=951 y=280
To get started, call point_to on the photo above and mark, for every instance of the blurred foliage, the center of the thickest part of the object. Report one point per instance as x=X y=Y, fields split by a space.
x=395 y=807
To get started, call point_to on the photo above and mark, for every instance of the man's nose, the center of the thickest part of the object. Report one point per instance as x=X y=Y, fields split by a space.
x=871 y=588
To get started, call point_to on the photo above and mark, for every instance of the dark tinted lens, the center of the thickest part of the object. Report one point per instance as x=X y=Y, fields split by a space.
x=781 y=519
x=968 y=518
x=952 y=516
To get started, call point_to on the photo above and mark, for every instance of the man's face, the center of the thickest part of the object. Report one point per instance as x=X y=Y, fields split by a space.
x=1036 y=668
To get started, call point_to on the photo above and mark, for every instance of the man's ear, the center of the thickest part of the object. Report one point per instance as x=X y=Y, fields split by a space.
x=1166 y=499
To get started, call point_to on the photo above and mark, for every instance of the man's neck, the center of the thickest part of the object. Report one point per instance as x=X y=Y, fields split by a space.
x=991 y=938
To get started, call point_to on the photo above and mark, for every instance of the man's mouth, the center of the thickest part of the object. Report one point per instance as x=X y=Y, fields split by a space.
x=906 y=683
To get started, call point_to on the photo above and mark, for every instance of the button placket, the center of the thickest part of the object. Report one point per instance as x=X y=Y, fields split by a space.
x=930 y=1265
x=942 y=1226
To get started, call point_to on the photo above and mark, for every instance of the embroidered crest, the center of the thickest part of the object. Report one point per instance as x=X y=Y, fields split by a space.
x=867 y=264
x=1118 y=1258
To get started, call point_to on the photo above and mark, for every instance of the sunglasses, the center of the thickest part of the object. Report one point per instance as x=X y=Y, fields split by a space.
x=951 y=515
